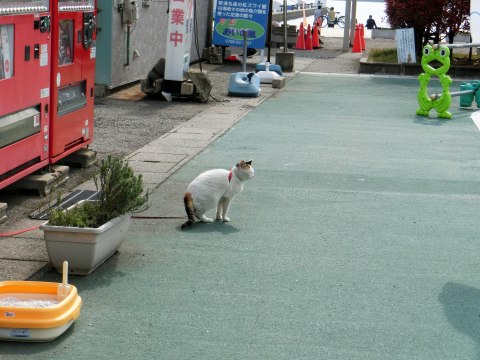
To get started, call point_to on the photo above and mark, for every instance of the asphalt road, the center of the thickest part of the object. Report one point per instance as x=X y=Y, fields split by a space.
x=356 y=239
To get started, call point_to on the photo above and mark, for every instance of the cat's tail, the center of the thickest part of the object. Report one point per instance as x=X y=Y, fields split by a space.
x=188 y=201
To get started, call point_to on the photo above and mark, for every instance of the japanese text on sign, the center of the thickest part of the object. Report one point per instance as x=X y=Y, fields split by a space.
x=406 y=45
x=234 y=18
x=179 y=19
x=179 y=39
x=240 y=10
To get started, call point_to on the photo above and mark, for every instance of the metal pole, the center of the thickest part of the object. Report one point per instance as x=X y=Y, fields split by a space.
x=269 y=29
x=436 y=96
x=353 y=22
x=464 y=92
x=453 y=46
x=210 y=23
x=245 y=39
x=346 y=30
x=284 y=25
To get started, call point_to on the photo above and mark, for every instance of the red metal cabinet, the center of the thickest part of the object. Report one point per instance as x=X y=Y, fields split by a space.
x=72 y=76
x=25 y=60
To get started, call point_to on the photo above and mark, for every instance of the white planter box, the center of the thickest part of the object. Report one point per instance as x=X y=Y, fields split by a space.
x=85 y=249
x=383 y=34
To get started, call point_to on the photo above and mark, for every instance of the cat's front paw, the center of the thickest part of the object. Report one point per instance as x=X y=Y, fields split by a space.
x=207 y=220
x=226 y=219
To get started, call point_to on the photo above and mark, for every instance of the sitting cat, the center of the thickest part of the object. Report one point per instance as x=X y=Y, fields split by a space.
x=217 y=188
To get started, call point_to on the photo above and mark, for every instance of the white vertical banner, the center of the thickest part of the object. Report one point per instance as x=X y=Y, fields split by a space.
x=406 y=46
x=179 y=39
x=475 y=20
x=5 y=48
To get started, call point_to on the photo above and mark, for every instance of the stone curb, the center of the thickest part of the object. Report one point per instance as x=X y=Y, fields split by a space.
x=456 y=71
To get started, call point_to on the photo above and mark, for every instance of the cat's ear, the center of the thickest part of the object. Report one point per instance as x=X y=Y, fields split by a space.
x=240 y=164
x=249 y=162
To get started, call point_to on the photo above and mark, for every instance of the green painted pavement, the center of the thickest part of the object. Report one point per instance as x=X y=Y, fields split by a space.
x=357 y=239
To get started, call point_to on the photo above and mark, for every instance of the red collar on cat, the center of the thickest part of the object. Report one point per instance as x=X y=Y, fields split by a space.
x=230 y=174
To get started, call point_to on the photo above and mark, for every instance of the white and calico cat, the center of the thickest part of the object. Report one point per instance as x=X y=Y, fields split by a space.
x=215 y=188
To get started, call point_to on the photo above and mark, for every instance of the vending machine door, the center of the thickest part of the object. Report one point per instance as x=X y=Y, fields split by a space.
x=25 y=60
x=73 y=77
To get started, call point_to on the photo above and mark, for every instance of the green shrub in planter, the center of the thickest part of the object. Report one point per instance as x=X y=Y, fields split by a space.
x=121 y=191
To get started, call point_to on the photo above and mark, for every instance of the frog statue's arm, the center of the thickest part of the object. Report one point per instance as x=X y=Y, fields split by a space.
x=443 y=102
x=423 y=99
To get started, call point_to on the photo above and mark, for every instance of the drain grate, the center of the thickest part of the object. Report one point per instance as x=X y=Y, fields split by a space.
x=69 y=200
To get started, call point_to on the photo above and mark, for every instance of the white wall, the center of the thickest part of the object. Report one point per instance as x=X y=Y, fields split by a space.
x=147 y=38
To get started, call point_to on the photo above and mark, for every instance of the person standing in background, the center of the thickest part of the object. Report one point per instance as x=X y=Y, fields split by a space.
x=370 y=23
x=317 y=15
x=331 y=17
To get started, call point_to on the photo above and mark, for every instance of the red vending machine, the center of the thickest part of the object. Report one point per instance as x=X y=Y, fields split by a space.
x=73 y=76
x=25 y=48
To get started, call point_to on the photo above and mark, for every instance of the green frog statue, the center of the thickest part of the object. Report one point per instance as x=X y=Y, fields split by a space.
x=439 y=102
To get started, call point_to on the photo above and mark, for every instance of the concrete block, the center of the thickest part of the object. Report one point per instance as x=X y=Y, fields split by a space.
x=43 y=183
x=286 y=60
x=213 y=55
x=187 y=88
x=202 y=84
x=83 y=158
x=101 y=91
x=3 y=212
x=278 y=83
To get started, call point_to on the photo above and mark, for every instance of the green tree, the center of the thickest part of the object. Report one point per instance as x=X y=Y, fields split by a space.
x=456 y=17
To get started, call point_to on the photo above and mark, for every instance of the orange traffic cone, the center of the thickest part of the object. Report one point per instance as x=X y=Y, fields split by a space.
x=319 y=27
x=308 y=40
x=300 y=45
x=362 y=37
x=315 y=40
x=357 y=42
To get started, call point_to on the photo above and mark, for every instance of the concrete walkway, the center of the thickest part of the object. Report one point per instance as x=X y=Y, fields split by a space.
x=355 y=240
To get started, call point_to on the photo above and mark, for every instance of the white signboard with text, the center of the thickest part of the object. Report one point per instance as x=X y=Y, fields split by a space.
x=179 y=39
x=406 y=46
x=6 y=51
x=475 y=20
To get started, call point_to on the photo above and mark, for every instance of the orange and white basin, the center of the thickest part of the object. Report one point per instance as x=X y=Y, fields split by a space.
x=36 y=311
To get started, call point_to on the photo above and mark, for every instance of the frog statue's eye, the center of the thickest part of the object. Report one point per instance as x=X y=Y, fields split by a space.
x=427 y=50
x=444 y=52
